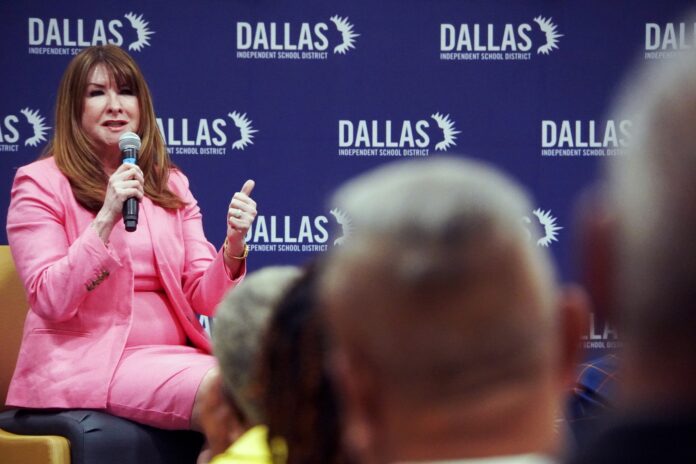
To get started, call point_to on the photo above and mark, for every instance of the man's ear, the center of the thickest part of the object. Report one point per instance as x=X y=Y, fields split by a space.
x=574 y=311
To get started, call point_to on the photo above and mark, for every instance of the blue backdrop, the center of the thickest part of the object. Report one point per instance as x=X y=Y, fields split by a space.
x=302 y=95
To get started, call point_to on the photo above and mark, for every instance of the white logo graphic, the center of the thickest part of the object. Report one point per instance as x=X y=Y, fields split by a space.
x=448 y=132
x=346 y=225
x=37 y=124
x=396 y=138
x=11 y=128
x=668 y=40
x=550 y=31
x=294 y=41
x=68 y=36
x=548 y=223
x=551 y=229
x=346 y=30
x=497 y=42
x=141 y=28
x=245 y=130
x=569 y=138
x=207 y=136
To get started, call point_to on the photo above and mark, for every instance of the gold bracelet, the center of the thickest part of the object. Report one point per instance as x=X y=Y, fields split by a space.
x=245 y=251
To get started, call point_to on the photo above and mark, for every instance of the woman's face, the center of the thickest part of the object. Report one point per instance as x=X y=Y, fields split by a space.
x=109 y=111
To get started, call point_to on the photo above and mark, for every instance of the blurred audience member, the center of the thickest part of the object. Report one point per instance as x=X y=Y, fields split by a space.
x=648 y=245
x=453 y=341
x=230 y=414
x=299 y=400
x=593 y=397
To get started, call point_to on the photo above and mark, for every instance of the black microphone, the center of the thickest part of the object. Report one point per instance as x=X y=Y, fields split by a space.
x=129 y=143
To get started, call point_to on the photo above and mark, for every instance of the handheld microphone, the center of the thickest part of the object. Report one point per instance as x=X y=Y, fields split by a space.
x=129 y=143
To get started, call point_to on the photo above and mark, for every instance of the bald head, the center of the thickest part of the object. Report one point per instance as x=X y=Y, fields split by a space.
x=438 y=285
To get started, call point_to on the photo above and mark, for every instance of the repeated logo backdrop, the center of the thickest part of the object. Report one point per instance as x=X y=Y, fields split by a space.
x=303 y=95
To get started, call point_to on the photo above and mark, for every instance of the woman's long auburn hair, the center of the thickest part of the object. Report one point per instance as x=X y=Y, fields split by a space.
x=73 y=151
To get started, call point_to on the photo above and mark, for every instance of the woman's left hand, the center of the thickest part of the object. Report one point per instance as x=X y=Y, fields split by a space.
x=240 y=215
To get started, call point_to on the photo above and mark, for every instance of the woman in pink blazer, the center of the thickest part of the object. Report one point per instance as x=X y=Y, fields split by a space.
x=112 y=322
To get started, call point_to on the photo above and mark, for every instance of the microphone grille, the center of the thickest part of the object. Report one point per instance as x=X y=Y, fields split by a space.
x=129 y=140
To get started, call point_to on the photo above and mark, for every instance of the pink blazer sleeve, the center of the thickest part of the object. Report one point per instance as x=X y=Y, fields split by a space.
x=53 y=270
x=205 y=278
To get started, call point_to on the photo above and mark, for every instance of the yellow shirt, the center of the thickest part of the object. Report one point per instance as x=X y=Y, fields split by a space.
x=251 y=447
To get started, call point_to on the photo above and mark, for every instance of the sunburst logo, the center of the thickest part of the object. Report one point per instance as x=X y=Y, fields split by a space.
x=142 y=30
x=348 y=35
x=449 y=134
x=548 y=224
x=246 y=131
x=346 y=224
x=550 y=31
x=37 y=123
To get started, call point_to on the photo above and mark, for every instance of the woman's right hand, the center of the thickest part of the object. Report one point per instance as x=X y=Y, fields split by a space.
x=126 y=182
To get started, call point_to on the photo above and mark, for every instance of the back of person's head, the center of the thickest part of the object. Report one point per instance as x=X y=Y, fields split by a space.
x=299 y=401
x=652 y=192
x=440 y=298
x=239 y=324
x=439 y=284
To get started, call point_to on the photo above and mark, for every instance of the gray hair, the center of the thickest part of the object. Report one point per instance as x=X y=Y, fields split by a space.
x=427 y=236
x=240 y=321
x=653 y=190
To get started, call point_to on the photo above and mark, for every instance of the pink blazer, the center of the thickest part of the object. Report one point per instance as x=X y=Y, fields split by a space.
x=80 y=291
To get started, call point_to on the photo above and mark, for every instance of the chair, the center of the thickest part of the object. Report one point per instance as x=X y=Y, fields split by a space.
x=72 y=436
x=23 y=449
